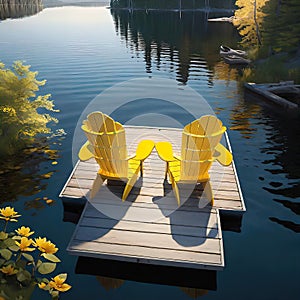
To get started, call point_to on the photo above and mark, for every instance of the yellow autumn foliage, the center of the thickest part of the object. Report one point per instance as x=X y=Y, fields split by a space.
x=20 y=121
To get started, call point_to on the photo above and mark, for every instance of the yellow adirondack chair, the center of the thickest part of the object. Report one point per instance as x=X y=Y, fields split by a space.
x=200 y=146
x=107 y=144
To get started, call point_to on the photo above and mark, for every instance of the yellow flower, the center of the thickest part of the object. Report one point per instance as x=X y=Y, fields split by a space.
x=8 y=214
x=58 y=284
x=42 y=285
x=9 y=270
x=24 y=244
x=24 y=231
x=45 y=246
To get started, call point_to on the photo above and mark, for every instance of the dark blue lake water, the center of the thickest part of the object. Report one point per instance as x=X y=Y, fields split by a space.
x=82 y=51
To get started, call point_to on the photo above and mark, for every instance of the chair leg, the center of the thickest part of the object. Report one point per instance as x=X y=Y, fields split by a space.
x=175 y=188
x=166 y=171
x=208 y=192
x=130 y=183
x=96 y=186
x=141 y=166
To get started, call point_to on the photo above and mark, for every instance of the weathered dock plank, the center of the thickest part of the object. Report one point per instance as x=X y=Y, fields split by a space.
x=185 y=239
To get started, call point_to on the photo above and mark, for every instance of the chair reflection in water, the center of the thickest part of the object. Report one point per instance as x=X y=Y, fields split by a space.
x=200 y=147
x=107 y=144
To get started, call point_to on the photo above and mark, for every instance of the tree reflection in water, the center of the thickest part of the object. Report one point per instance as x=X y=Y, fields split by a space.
x=178 y=42
x=114 y=283
x=280 y=149
x=19 y=8
x=284 y=145
x=173 y=4
x=23 y=174
x=110 y=283
x=194 y=293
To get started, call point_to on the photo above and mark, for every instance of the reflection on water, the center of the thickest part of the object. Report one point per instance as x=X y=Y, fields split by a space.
x=19 y=8
x=293 y=206
x=226 y=72
x=280 y=149
x=110 y=283
x=113 y=283
x=23 y=175
x=173 y=4
x=287 y=224
x=174 y=42
x=241 y=118
x=282 y=145
x=194 y=293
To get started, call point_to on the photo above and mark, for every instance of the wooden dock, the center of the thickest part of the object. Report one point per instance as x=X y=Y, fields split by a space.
x=149 y=228
x=283 y=94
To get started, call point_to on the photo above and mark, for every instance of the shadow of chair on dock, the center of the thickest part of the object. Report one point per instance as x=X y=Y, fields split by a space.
x=194 y=214
x=103 y=212
x=108 y=200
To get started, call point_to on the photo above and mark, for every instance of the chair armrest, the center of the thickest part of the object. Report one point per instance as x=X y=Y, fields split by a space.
x=130 y=157
x=165 y=151
x=86 y=152
x=222 y=155
x=143 y=150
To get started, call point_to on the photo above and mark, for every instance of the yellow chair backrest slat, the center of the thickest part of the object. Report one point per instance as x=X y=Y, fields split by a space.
x=109 y=142
x=199 y=140
x=204 y=126
x=96 y=121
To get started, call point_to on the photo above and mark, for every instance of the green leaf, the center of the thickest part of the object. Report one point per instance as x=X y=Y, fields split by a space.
x=51 y=257
x=2 y=261
x=54 y=294
x=39 y=262
x=28 y=256
x=3 y=235
x=9 y=242
x=23 y=276
x=14 y=248
x=6 y=254
x=16 y=237
x=46 y=268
